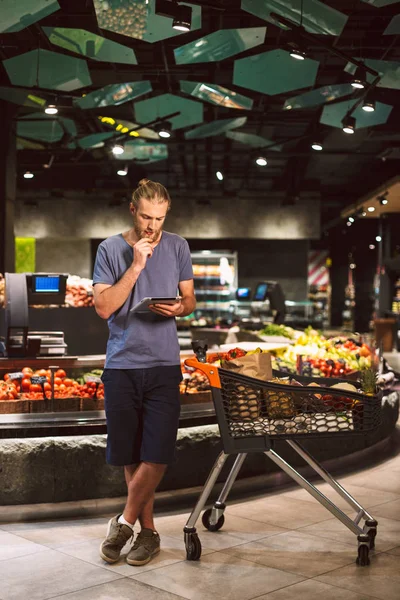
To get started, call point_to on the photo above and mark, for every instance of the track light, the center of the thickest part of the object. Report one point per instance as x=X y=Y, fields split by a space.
x=371 y=209
x=164 y=129
x=261 y=161
x=183 y=18
x=122 y=172
x=317 y=146
x=368 y=106
x=359 y=79
x=28 y=175
x=118 y=149
x=297 y=53
x=51 y=109
x=372 y=246
x=351 y=219
x=349 y=125
x=219 y=175
x=348 y=224
x=378 y=238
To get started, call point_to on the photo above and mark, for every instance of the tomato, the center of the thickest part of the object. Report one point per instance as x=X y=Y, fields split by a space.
x=6 y=376
x=57 y=381
x=61 y=373
x=47 y=386
x=62 y=387
x=26 y=384
x=35 y=387
x=41 y=373
x=68 y=382
x=27 y=371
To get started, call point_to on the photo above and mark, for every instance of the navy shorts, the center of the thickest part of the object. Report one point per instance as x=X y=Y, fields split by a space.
x=142 y=409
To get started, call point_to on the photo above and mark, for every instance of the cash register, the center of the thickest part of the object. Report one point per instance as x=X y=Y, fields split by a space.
x=29 y=289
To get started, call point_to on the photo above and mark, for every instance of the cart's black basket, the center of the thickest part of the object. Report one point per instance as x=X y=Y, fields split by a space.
x=252 y=407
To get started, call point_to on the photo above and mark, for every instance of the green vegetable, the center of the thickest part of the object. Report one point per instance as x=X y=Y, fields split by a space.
x=281 y=330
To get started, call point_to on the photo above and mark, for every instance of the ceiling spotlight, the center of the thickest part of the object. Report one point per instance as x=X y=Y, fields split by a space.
x=352 y=266
x=317 y=146
x=297 y=53
x=219 y=175
x=51 y=109
x=378 y=238
x=261 y=161
x=183 y=18
x=351 y=219
x=359 y=79
x=382 y=200
x=372 y=246
x=368 y=106
x=28 y=175
x=164 y=129
x=118 y=149
x=348 y=223
x=349 y=125
x=122 y=172
x=363 y=214
x=371 y=208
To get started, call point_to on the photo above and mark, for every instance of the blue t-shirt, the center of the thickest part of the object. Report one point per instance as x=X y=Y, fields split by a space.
x=143 y=340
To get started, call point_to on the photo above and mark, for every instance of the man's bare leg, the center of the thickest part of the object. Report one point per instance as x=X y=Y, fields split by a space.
x=146 y=517
x=142 y=482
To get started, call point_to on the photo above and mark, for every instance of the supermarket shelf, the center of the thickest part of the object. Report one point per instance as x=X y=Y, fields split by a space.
x=209 y=292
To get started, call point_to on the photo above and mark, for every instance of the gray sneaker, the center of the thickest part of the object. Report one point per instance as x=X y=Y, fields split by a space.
x=116 y=538
x=146 y=546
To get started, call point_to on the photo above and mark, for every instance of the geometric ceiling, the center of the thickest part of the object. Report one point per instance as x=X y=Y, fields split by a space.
x=89 y=44
x=17 y=15
x=229 y=89
x=316 y=17
x=138 y=19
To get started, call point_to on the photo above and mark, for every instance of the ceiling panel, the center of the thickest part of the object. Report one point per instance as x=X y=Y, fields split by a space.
x=322 y=95
x=215 y=128
x=333 y=115
x=114 y=95
x=18 y=14
x=216 y=94
x=153 y=109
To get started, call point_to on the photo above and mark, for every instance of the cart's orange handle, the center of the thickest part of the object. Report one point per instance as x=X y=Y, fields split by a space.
x=210 y=370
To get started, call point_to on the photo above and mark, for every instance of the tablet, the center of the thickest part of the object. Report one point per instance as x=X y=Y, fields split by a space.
x=143 y=305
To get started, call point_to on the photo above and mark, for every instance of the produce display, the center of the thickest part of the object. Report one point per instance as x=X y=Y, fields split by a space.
x=271 y=329
x=35 y=386
x=2 y=288
x=79 y=292
x=322 y=357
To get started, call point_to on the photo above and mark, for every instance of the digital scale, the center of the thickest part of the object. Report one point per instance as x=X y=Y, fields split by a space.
x=21 y=291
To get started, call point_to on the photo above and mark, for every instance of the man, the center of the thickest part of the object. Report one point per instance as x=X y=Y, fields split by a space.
x=142 y=371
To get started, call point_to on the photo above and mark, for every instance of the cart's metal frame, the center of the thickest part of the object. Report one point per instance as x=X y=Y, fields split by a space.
x=213 y=518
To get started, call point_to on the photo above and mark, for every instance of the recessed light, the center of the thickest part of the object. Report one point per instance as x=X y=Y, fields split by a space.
x=378 y=238
x=118 y=149
x=372 y=246
x=261 y=161
x=371 y=208
x=28 y=175
x=51 y=109
x=317 y=146
x=219 y=175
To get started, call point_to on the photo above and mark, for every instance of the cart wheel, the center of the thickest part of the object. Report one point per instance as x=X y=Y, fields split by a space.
x=372 y=536
x=212 y=526
x=363 y=555
x=193 y=547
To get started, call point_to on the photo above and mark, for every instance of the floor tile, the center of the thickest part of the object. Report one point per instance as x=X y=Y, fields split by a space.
x=12 y=546
x=297 y=552
x=381 y=579
x=388 y=535
x=235 y=530
x=47 y=574
x=313 y=590
x=218 y=575
x=365 y=496
x=123 y=589
x=172 y=551
x=390 y=510
x=57 y=533
x=283 y=512
x=395 y=551
x=384 y=479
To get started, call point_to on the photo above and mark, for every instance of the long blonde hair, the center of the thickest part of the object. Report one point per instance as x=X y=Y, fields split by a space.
x=151 y=190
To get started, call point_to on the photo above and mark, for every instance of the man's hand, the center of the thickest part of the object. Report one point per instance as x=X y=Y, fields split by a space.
x=142 y=251
x=167 y=310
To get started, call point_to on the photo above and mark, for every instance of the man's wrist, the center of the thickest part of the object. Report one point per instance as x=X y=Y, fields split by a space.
x=135 y=271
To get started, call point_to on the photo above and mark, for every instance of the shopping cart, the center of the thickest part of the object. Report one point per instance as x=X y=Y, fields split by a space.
x=252 y=414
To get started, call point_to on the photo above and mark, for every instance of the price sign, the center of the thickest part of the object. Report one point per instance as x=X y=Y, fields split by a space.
x=89 y=378
x=18 y=375
x=40 y=379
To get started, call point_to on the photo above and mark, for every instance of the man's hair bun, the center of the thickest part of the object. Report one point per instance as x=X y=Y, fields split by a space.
x=144 y=182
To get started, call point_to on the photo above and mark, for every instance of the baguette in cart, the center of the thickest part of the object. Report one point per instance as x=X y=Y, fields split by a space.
x=253 y=413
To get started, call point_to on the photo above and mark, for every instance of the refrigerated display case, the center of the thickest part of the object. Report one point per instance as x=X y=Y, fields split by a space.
x=215 y=282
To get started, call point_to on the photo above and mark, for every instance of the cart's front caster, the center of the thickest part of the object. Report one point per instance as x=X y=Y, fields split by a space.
x=207 y=521
x=193 y=546
x=363 y=550
x=370 y=529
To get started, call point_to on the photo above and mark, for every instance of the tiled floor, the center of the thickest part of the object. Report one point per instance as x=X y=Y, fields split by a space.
x=280 y=546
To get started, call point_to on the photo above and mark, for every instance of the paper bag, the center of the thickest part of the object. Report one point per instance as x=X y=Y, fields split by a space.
x=257 y=365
